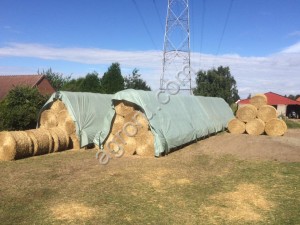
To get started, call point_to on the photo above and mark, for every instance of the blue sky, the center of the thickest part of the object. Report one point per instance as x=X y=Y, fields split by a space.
x=260 y=41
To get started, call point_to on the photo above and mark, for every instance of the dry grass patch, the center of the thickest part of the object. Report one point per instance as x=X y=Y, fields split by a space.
x=247 y=203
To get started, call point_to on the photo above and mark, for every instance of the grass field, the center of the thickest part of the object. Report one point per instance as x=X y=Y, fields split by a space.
x=185 y=187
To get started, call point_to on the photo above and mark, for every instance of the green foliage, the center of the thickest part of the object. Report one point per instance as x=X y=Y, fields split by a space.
x=112 y=80
x=57 y=80
x=19 y=109
x=292 y=124
x=135 y=82
x=217 y=83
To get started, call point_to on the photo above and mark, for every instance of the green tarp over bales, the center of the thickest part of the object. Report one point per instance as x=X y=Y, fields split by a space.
x=180 y=120
x=88 y=111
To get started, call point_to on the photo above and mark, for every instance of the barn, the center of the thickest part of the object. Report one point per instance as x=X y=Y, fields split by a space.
x=284 y=106
x=8 y=82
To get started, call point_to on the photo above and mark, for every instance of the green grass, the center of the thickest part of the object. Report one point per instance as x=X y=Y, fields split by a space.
x=292 y=124
x=72 y=188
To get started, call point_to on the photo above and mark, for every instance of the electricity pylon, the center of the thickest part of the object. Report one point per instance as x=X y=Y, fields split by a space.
x=176 y=55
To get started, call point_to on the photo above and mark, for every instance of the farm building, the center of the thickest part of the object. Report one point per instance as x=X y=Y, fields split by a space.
x=284 y=106
x=8 y=82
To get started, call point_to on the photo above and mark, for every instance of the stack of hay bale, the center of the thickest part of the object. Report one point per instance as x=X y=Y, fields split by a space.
x=57 y=132
x=256 y=118
x=130 y=131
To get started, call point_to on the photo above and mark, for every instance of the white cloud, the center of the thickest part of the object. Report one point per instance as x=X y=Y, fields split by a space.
x=279 y=72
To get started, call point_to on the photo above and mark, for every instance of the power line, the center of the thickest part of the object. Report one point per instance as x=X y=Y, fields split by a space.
x=158 y=15
x=144 y=23
x=202 y=28
x=225 y=26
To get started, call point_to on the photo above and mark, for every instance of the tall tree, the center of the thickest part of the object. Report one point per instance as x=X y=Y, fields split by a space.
x=112 y=80
x=19 y=109
x=134 y=81
x=217 y=83
x=57 y=80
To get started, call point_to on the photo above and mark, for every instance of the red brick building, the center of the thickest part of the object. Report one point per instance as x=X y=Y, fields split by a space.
x=9 y=82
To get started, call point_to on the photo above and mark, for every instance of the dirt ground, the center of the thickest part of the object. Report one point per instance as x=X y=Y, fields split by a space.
x=284 y=148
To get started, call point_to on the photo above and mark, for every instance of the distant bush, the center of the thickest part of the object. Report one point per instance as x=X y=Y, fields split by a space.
x=20 y=108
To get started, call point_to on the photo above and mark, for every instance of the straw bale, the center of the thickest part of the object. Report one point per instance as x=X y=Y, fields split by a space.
x=145 y=144
x=275 y=127
x=66 y=122
x=117 y=124
x=139 y=119
x=123 y=108
x=8 y=146
x=246 y=113
x=55 y=141
x=259 y=100
x=266 y=113
x=74 y=142
x=255 y=127
x=62 y=141
x=236 y=126
x=57 y=106
x=130 y=145
x=48 y=119
x=42 y=141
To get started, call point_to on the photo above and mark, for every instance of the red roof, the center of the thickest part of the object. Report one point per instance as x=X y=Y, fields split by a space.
x=298 y=99
x=8 y=82
x=274 y=99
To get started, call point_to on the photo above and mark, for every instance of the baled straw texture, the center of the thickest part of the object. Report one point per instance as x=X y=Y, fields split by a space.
x=48 y=119
x=145 y=144
x=266 y=113
x=57 y=106
x=42 y=141
x=65 y=122
x=62 y=141
x=255 y=127
x=236 y=126
x=275 y=127
x=259 y=100
x=123 y=108
x=117 y=124
x=14 y=145
x=74 y=142
x=246 y=113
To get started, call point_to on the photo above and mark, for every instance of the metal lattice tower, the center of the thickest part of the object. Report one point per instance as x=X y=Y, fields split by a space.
x=176 y=56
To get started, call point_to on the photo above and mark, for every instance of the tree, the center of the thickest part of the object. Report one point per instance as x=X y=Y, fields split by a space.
x=20 y=108
x=135 y=82
x=112 y=80
x=293 y=97
x=217 y=83
x=57 y=80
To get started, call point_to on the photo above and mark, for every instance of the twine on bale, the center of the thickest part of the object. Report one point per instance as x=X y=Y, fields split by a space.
x=65 y=122
x=266 y=113
x=275 y=127
x=48 y=119
x=235 y=126
x=42 y=141
x=246 y=113
x=57 y=106
x=14 y=145
x=259 y=100
x=255 y=127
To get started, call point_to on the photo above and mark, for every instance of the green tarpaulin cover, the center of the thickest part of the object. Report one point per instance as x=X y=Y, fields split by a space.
x=88 y=111
x=174 y=119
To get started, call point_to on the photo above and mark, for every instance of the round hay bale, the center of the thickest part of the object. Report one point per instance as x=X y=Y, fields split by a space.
x=259 y=100
x=130 y=145
x=62 y=141
x=236 y=126
x=58 y=106
x=138 y=118
x=74 y=142
x=266 y=113
x=123 y=108
x=255 y=127
x=66 y=122
x=246 y=113
x=42 y=141
x=117 y=124
x=55 y=140
x=275 y=127
x=8 y=146
x=145 y=144
x=48 y=119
